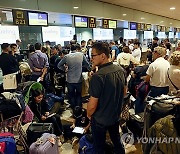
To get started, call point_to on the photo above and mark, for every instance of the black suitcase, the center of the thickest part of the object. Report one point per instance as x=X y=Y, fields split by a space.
x=35 y=131
x=136 y=124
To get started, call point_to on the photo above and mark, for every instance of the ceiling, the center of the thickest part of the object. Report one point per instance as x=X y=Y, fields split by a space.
x=158 y=7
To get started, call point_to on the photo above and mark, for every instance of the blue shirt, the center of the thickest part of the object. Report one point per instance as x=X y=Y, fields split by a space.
x=74 y=61
x=38 y=60
x=116 y=50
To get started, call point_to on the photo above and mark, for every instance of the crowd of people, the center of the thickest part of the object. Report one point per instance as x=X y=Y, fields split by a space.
x=111 y=68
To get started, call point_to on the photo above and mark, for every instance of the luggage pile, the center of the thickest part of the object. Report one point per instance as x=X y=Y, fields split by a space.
x=158 y=116
x=15 y=112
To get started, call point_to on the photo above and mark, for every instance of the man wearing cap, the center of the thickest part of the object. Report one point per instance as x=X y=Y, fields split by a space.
x=157 y=73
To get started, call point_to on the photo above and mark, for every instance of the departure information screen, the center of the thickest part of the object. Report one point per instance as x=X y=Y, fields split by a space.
x=38 y=19
x=81 y=21
x=112 y=24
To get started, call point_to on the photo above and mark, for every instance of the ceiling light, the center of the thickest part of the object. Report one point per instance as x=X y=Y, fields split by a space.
x=75 y=7
x=161 y=21
x=172 y=8
x=170 y=23
x=142 y=18
x=124 y=14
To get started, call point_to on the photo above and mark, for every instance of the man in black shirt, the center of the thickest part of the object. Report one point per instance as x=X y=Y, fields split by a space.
x=107 y=88
x=152 y=46
x=8 y=63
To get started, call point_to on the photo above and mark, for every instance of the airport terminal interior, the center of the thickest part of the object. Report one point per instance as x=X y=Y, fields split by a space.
x=89 y=77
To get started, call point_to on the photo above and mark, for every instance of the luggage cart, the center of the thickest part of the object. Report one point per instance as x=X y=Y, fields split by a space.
x=14 y=126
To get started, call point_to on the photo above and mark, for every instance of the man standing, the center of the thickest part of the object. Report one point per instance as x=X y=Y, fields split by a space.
x=137 y=51
x=18 y=43
x=157 y=73
x=38 y=63
x=107 y=89
x=154 y=44
x=114 y=51
x=13 y=52
x=75 y=60
x=8 y=63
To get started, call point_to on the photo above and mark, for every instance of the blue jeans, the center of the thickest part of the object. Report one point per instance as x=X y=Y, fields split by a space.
x=157 y=91
x=74 y=94
x=99 y=137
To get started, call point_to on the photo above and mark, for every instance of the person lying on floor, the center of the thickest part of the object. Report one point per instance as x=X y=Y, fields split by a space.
x=39 y=107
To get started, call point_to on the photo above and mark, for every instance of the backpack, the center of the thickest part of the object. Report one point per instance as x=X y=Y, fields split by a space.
x=142 y=89
x=9 y=108
x=86 y=145
x=7 y=143
x=51 y=99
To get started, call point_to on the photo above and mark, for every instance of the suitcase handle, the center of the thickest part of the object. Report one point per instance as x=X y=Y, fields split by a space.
x=51 y=139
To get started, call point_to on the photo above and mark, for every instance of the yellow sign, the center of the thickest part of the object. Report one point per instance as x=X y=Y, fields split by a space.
x=20 y=17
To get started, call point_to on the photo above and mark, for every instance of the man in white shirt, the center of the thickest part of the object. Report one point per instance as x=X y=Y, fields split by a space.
x=137 y=51
x=157 y=73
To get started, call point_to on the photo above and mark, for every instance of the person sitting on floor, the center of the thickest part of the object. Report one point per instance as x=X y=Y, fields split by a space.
x=38 y=106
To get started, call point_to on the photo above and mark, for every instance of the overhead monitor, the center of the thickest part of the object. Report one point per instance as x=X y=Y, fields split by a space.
x=57 y=34
x=129 y=34
x=148 y=34
x=102 y=34
x=112 y=24
x=37 y=18
x=66 y=33
x=9 y=34
x=80 y=21
x=133 y=26
x=51 y=33
x=161 y=35
x=122 y=24
x=171 y=34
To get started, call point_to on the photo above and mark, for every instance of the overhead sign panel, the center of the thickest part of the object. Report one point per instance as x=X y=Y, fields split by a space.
x=20 y=17
x=80 y=21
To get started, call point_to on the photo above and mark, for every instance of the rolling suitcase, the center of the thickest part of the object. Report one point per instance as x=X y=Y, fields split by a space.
x=35 y=130
x=47 y=144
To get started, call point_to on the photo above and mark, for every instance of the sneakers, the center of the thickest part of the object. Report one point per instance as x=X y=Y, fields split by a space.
x=74 y=141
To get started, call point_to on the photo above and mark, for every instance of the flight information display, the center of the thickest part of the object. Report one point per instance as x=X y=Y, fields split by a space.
x=129 y=34
x=81 y=21
x=112 y=24
x=102 y=34
x=9 y=34
x=38 y=19
x=148 y=34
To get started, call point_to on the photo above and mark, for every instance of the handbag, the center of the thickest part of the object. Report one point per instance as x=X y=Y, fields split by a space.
x=28 y=115
x=9 y=81
x=125 y=108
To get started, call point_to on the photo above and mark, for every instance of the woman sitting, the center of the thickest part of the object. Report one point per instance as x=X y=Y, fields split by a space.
x=39 y=107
